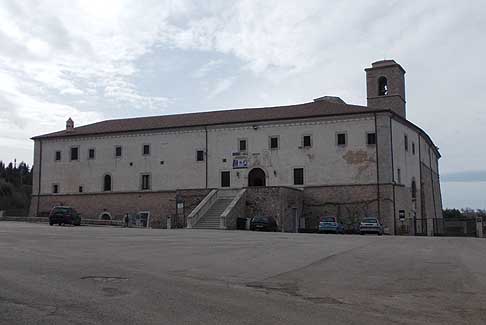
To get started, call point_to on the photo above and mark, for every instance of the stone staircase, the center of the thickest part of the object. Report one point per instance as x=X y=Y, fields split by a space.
x=218 y=210
x=211 y=218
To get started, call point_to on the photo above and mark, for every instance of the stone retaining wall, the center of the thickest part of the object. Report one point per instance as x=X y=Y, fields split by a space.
x=160 y=204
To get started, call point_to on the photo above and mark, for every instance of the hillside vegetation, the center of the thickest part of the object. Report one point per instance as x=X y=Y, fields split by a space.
x=15 y=186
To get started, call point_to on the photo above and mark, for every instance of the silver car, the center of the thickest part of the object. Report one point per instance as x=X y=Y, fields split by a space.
x=370 y=225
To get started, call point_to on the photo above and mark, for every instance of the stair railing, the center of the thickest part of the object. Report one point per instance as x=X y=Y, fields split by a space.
x=201 y=209
x=234 y=210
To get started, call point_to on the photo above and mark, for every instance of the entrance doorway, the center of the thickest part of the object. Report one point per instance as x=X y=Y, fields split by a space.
x=256 y=177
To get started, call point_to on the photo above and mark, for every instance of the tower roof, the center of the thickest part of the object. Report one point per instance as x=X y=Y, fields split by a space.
x=385 y=64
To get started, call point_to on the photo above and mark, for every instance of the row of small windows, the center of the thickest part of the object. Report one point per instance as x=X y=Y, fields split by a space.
x=274 y=141
x=74 y=153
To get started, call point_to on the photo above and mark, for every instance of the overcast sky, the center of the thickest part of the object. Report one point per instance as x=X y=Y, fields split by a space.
x=94 y=60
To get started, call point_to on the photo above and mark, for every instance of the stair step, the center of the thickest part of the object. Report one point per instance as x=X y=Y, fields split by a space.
x=211 y=219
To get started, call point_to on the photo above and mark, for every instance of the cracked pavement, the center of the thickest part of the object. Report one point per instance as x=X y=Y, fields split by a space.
x=103 y=275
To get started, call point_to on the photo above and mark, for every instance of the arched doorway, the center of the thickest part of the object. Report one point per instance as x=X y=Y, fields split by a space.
x=256 y=177
x=105 y=216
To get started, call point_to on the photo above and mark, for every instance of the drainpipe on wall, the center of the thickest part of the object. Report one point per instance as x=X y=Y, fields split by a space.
x=39 y=178
x=377 y=171
x=393 y=181
x=206 y=147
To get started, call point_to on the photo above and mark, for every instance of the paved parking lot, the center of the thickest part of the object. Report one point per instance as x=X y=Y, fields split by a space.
x=102 y=275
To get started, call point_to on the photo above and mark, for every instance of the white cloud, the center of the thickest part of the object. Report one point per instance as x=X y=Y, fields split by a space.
x=221 y=86
x=72 y=91
x=208 y=67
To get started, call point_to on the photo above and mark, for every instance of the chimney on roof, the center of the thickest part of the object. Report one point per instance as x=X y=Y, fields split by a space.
x=69 y=124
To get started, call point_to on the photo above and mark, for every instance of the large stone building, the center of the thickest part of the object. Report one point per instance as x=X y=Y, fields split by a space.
x=294 y=162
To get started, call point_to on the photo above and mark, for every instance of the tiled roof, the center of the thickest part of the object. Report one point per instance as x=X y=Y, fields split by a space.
x=307 y=110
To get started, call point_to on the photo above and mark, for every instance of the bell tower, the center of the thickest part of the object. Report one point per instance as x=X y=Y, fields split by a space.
x=385 y=86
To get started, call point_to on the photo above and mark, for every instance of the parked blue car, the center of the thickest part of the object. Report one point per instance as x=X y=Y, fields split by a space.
x=330 y=225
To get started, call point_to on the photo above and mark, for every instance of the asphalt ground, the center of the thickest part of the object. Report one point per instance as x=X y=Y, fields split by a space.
x=107 y=275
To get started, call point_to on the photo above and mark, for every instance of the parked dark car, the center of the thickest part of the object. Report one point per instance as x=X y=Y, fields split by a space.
x=330 y=224
x=63 y=215
x=370 y=225
x=263 y=224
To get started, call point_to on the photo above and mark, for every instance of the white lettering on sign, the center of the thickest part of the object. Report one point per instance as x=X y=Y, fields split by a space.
x=240 y=163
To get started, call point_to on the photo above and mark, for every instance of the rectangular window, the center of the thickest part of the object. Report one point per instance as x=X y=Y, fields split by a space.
x=399 y=176
x=91 y=154
x=80 y=189
x=145 y=182
x=55 y=188
x=199 y=155
x=406 y=142
x=118 y=151
x=74 y=153
x=371 y=139
x=146 y=150
x=225 y=179
x=307 y=141
x=413 y=148
x=341 y=139
x=242 y=145
x=274 y=142
x=58 y=156
x=298 y=176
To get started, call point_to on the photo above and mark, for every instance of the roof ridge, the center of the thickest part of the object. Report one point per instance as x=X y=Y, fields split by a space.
x=223 y=116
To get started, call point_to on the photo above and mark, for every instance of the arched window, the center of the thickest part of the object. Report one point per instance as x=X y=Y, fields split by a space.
x=107 y=183
x=382 y=86
x=414 y=190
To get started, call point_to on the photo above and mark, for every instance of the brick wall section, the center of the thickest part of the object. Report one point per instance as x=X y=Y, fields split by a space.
x=292 y=201
x=387 y=214
x=431 y=192
x=277 y=202
x=191 y=199
x=262 y=201
x=160 y=204
x=384 y=148
x=393 y=102
x=349 y=203
x=403 y=201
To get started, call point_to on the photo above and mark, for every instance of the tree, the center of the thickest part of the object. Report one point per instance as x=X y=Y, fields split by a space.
x=15 y=186
x=452 y=214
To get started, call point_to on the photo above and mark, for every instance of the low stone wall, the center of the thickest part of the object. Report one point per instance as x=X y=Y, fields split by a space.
x=25 y=219
x=95 y=222
x=160 y=205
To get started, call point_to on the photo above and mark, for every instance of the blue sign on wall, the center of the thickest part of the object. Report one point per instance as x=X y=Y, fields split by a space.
x=240 y=163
